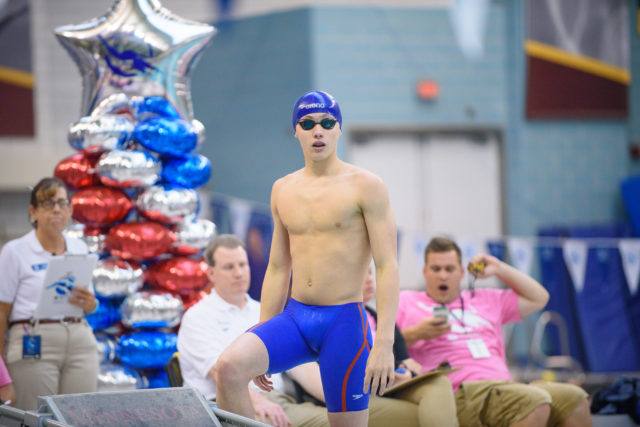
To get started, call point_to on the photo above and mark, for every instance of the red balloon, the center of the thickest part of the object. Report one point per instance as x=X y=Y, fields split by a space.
x=184 y=250
x=77 y=171
x=139 y=240
x=180 y=275
x=191 y=299
x=92 y=231
x=100 y=206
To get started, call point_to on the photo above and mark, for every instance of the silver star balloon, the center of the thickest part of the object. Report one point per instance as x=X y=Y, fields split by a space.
x=137 y=48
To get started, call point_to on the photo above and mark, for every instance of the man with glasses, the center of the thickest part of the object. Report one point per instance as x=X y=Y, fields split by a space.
x=330 y=218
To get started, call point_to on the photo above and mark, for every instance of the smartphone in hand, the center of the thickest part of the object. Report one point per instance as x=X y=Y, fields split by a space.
x=441 y=312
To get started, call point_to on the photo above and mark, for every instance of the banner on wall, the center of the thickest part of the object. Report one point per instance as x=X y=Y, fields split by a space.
x=471 y=247
x=16 y=80
x=469 y=21
x=630 y=254
x=521 y=253
x=577 y=58
x=575 y=256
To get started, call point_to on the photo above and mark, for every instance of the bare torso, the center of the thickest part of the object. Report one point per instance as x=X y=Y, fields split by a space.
x=328 y=239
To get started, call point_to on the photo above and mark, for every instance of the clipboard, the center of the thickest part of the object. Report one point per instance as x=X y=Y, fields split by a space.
x=412 y=381
x=63 y=274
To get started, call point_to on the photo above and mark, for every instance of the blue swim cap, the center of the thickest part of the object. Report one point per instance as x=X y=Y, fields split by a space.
x=315 y=102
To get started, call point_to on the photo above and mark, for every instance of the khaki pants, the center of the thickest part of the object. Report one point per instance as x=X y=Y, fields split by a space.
x=501 y=403
x=435 y=400
x=383 y=412
x=68 y=363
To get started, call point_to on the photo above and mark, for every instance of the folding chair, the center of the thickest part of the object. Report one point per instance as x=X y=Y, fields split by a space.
x=173 y=370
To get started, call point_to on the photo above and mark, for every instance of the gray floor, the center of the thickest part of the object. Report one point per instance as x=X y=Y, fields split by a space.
x=613 y=421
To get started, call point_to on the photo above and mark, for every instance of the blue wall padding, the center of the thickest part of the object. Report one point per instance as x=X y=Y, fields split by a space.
x=630 y=188
x=555 y=278
x=610 y=342
x=498 y=249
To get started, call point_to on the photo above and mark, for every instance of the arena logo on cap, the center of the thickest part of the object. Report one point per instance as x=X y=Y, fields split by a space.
x=312 y=105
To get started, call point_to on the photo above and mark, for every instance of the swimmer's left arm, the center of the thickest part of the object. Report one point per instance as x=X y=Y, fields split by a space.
x=383 y=240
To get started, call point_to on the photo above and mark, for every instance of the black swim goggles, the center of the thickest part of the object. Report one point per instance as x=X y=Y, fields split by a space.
x=326 y=123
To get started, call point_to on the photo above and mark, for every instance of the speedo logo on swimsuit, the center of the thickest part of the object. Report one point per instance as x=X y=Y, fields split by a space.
x=356 y=396
x=312 y=105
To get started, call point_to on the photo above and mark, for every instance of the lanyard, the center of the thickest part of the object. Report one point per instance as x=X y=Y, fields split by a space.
x=461 y=318
x=472 y=288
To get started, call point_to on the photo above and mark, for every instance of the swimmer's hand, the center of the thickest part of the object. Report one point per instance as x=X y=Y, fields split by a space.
x=263 y=382
x=379 y=374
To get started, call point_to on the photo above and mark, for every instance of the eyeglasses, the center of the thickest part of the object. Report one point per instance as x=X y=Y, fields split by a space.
x=308 y=124
x=50 y=204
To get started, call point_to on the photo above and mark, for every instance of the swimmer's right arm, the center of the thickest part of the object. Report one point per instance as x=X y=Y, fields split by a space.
x=275 y=286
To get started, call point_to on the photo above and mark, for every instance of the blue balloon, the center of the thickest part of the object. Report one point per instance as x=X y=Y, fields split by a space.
x=166 y=136
x=106 y=348
x=146 y=349
x=191 y=171
x=154 y=106
x=107 y=314
x=157 y=378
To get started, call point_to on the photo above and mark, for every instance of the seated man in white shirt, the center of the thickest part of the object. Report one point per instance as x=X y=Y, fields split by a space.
x=218 y=319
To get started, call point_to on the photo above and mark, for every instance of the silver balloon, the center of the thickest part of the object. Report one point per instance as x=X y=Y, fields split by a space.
x=104 y=133
x=106 y=348
x=151 y=310
x=137 y=48
x=114 y=377
x=94 y=242
x=193 y=236
x=128 y=169
x=168 y=205
x=114 y=278
x=116 y=103
x=198 y=128
x=75 y=230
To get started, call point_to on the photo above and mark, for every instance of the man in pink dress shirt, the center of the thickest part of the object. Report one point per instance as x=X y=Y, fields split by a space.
x=469 y=337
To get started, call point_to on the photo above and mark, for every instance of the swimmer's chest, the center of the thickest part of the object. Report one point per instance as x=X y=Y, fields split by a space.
x=320 y=210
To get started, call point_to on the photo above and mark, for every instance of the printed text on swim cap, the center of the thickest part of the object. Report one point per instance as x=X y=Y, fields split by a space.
x=313 y=105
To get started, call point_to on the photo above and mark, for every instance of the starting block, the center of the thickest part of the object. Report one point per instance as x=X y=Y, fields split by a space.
x=163 y=407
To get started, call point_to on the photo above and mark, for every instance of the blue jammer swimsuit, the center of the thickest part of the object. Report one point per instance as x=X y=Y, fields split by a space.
x=337 y=336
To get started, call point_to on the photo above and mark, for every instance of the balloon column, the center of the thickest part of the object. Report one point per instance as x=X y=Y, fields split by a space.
x=134 y=179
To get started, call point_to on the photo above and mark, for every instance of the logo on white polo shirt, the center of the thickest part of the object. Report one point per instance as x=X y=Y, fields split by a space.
x=39 y=267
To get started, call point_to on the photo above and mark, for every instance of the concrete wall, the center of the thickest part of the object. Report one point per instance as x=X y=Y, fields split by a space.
x=243 y=90
x=558 y=172
x=370 y=58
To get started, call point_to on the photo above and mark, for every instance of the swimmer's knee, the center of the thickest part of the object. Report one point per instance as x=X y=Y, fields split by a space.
x=227 y=370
